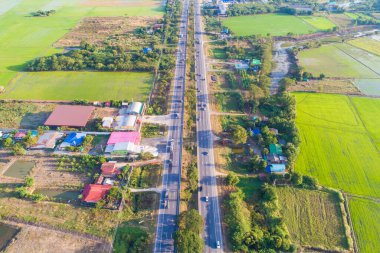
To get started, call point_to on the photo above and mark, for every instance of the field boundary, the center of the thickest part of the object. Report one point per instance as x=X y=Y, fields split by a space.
x=349 y=221
x=368 y=67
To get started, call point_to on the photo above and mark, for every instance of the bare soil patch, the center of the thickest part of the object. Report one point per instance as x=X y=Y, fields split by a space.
x=327 y=86
x=96 y=30
x=37 y=239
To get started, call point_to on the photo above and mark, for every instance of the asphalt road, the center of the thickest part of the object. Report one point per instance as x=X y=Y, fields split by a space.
x=208 y=201
x=169 y=200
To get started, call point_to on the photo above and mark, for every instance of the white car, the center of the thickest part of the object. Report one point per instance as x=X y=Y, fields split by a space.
x=206 y=198
x=218 y=245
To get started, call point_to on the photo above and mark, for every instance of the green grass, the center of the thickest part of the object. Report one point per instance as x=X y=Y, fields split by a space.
x=23 y=38
x=274 y=24
x=129 y=239
x=219 y=53
x=81 y=85
x=365 y=215
x=313 y=218
x=249 y=185
x=229 y=101
x=335 y=144
x=340 y=60
x=320 y=23
x=367 y=44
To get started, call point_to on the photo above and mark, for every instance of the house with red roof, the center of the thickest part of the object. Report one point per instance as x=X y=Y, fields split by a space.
x=93 y=193
x=109 y=169
x=19 y=135
x=70 y=116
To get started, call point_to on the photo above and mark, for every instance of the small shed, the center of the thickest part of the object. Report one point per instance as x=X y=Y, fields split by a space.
x=109 y=169
x=135 y=108
x=147 y=50
x=107 y=122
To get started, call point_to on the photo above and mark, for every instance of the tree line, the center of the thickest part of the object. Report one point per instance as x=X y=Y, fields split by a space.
x=95 y=57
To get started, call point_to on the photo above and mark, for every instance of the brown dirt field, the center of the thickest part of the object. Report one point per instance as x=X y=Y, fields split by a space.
x=96 y=30
x=36 y=239
x=46 y=175
x=101 y=112
x=105 y=3
x=25 y=115
x=327 y=86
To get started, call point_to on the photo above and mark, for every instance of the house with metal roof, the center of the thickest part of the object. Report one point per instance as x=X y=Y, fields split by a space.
x=125 y=122
x=276 y=168
x=109 y=169
x=73 y=139
x=135 y=108
x=70 y=116
x=116 y=137
x=47 y=140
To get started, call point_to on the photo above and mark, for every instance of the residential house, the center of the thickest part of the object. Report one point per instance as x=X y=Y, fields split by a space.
x=47 y=140
x=73 y=139
x=109 y=169
x=135 y=108
x=93 y=193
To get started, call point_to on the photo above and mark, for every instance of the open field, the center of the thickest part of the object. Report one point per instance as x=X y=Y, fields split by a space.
x=368 y=86
x=367 y=44
x=24 y=115
x=340 y=19
x=313 y=218
x=320 y=23
x=274 y=24
x=340 y=60
x=60 y=85
x=365 y=215
x=335 y=145
x=24 y=37
x=34 y=239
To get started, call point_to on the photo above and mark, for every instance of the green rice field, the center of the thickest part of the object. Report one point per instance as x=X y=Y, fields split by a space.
x=313 y=218
x=365 y=215
x=339 y=143
x=320 y=23
x=23 y=37
x=273 y=24
x=60 y=85
x=367 y=44
x=340 y=60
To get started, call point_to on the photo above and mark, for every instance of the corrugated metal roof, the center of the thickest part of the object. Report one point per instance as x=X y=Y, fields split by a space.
x=70 y=115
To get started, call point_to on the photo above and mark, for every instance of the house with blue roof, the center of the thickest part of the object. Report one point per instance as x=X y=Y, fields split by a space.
x=73 y=139
x=147 y=50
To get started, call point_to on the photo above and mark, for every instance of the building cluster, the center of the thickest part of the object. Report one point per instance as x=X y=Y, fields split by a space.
x=128 y=118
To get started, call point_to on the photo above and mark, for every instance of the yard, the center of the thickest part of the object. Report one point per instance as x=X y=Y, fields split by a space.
x=338 y=144
x=229 y=101
x=340 y=60
x=146 y=176
x=313 y=218
x=23 y=37
x=273 y=24
x=91 y=86
x=365 y=215
x=24 y=115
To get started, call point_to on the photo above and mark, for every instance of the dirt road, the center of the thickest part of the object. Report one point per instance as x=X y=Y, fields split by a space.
x=282 y=65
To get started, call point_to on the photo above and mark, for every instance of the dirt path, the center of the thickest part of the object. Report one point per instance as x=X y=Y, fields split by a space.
x=281 y=59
